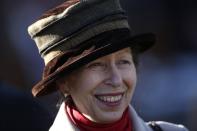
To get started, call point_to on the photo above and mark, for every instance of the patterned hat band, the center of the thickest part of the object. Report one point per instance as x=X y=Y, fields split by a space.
x=73 y=41
x=75 y=24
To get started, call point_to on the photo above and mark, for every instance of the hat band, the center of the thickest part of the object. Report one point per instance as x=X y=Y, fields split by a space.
x=82 y=36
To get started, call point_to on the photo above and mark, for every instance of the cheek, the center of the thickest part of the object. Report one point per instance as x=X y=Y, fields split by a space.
x=90 y=81
x=130 y=78
x=82 y=92
x=84 y=85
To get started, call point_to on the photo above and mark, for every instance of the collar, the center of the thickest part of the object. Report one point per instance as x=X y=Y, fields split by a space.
x=62 y=121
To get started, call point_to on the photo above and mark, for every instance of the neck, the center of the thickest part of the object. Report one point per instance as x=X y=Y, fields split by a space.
x=84 y=122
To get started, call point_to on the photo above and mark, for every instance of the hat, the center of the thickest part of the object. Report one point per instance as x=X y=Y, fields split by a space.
x=80 y=31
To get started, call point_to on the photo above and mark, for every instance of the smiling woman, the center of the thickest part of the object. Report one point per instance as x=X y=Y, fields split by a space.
x=91 y=56
x=102 y=89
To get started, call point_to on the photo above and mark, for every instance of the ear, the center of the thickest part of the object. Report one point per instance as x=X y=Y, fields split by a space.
x=62 y=86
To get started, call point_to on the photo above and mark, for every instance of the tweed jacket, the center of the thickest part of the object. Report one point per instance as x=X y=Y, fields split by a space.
x=62 y=123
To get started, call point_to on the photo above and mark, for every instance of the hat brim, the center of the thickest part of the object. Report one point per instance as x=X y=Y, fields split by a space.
x=47 y=85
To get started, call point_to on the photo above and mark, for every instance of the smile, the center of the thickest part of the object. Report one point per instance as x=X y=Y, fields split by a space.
x=111 y=98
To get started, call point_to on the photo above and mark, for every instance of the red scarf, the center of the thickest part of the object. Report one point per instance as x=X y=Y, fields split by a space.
x=84 y=124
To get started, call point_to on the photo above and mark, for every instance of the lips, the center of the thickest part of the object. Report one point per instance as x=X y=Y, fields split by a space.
x=110 y=98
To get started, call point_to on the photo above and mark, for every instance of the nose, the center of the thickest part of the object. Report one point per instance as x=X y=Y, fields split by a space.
x=114 y=78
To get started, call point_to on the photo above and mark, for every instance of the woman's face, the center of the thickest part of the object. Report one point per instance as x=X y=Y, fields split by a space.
x=103 y=88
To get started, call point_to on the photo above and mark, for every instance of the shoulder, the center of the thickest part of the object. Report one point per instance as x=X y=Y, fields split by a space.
x=166 y=126
x=140 y=125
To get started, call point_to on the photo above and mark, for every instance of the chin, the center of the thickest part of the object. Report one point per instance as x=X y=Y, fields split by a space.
x=110 y=117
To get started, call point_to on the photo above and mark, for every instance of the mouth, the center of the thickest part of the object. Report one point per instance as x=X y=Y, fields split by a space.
x=110 y=99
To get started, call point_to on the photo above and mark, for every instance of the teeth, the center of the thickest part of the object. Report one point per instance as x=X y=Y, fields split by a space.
x=110 y=98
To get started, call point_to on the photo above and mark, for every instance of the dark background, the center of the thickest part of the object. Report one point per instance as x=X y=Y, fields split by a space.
x=167 y=81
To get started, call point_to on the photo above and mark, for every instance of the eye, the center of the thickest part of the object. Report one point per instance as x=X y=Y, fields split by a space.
x=97 y=66
x=124 y=62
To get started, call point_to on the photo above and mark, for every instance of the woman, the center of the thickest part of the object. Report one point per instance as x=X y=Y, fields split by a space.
x=90 y=55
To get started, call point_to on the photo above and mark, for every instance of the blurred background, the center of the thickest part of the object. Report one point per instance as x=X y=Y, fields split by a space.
x=167 y=79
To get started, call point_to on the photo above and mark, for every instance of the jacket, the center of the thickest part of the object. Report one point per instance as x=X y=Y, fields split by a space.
x=63 y=123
